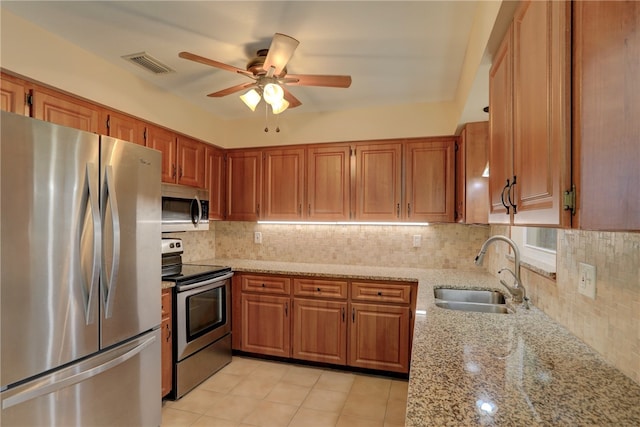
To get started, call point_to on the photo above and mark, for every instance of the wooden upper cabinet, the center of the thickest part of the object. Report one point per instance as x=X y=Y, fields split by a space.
x=123 y=127
x=244 y=185
x=13 y=93
x=530 y=145
x=283 y=184
x=214 y=175
x=541 y=112
x=190 y=159
x=164 y=141
x=606 y=96
x=501 y=130
x=65 y=110
x=328 y=183
x=430 y=180
x=472 y=194
x=378 y=183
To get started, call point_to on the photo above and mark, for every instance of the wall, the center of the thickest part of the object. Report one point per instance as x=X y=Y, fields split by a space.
x=443 y=246
x=610 y=324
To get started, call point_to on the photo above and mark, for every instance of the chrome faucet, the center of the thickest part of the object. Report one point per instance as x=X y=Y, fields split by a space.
x=517 y=291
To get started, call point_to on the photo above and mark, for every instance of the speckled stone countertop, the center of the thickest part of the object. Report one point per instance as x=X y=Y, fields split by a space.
x=490 y=369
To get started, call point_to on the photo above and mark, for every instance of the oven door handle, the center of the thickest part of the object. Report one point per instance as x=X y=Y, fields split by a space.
x=211 y=283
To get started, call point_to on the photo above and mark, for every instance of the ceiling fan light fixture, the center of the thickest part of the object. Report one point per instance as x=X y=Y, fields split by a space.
x=280 y=106
x=273 y=94
x=251 y=99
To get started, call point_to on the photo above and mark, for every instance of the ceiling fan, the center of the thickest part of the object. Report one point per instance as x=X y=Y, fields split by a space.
x=269 y=76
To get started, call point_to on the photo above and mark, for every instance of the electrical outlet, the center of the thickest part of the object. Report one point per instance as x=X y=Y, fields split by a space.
x=257 y=238
x=587 y=280
x=417 y=240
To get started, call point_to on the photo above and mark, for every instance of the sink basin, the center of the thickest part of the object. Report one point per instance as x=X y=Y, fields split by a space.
x=469 y=295
x=473 y=306
x=477 y=300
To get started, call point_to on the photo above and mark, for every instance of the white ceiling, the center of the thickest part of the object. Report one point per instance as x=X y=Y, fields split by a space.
x=397 y=52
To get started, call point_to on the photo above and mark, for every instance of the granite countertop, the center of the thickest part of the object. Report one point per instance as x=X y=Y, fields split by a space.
x=489 y=369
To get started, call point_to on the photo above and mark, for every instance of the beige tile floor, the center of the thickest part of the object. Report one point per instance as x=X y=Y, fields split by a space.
x=253 y=392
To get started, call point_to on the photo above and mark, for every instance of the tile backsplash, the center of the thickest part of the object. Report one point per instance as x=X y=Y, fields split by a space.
x=610 y=323
x=442 y=245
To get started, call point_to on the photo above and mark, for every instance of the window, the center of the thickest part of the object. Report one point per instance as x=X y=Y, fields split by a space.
x=537 y=246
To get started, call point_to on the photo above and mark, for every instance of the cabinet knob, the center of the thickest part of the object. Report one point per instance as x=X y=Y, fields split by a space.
x=318 y=289
x=379 y=294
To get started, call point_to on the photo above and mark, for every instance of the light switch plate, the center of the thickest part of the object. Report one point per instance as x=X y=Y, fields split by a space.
x=587 y=280
x=257 y=238
x=417 y=240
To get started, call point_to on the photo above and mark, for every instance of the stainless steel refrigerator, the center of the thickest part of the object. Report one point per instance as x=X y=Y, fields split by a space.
x=80 y=227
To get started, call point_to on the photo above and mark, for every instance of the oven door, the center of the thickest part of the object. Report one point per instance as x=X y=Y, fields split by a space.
x=203 y=314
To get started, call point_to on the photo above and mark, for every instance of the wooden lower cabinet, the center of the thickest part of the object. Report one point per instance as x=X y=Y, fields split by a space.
x=320 y=331
x=266 y=326
x=356 y=323
x=167 y=342
x=380 y=337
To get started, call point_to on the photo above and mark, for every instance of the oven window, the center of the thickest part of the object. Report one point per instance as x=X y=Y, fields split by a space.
x=205 y=312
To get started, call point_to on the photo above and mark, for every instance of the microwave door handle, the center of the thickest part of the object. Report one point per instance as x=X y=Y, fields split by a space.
x=109 y=286
x=196 y=220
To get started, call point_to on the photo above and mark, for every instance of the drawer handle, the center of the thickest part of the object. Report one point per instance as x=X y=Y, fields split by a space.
x=379 y=294
x=318 y=289
x=263 y=285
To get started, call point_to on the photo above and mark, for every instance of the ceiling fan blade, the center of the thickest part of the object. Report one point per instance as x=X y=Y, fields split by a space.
x=232 y=89
x=293 y=101
x=317 y=80
x=280 y=51
x=206 y=61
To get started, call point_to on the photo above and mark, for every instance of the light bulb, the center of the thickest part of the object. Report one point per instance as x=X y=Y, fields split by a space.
x=273 y=93
x=251 y=99
x=279 y=107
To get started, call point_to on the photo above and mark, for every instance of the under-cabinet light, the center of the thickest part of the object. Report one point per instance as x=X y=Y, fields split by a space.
x=342 y=223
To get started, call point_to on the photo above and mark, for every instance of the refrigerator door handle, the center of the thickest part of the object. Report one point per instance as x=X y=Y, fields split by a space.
x=89 y=199
x=109 y=286
x=42 y=388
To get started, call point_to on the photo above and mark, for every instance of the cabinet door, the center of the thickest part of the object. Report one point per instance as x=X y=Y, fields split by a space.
x=124 y=127
x=378 y=182
x=320 y=331
x=190 y=160
x=266 y=327
x=244 y=185
x=164 y=141
x=379 y=337
x=214 y=181
x=65 y=110
x=542 y=151
x=501 y=130
x=167 y=343
x=12 y=96
x=283 y=184
x=430 y=180
x=328 y=183
x=606 y=138
x=472 y=194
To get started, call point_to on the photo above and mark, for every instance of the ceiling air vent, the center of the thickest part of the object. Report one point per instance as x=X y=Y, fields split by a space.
x=148 y=62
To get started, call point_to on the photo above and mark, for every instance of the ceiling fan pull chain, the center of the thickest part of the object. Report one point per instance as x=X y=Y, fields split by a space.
x=266 y=117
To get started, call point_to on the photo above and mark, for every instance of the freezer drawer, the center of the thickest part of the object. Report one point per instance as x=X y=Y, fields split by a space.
x=120 y=387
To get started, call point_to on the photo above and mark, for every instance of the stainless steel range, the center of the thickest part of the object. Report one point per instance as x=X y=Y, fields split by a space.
x=202 y=317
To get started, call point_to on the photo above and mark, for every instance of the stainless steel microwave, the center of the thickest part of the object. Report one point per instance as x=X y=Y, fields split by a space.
x=184 y=208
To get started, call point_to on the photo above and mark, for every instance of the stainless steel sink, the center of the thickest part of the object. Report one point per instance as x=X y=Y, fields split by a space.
x=469 y=295
x=477 y=300
x=473 y=306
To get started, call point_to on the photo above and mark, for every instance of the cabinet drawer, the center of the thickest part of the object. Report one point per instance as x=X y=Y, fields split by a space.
x=166 y=303
x=266 y=284
x=381 y=292
x=335 y=289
